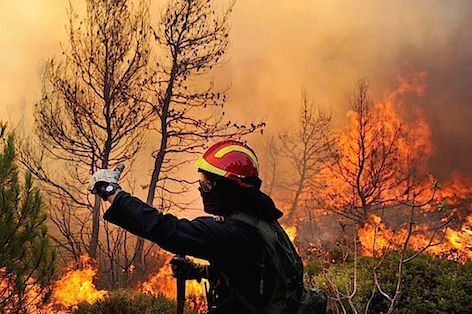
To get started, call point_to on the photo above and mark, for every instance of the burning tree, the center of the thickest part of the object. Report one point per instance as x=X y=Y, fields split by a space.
x=192 y=39
x=379 y=175
x=90 y=117
x=27 y=258
x=375 y=157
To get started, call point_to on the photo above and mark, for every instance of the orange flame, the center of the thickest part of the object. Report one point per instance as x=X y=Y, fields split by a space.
x=32 y=300
x=376 y=236
x=76 y=285
x=391 y=124
x=291 y=232
x=388 y=138
x=163 y=283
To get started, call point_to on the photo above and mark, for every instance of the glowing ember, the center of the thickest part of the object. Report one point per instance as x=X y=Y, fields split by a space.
x=77 y=286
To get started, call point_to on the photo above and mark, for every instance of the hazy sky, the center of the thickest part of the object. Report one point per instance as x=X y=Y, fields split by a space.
x=278 y=47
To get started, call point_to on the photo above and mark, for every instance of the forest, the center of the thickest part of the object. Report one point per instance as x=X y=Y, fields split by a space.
x=377 y=230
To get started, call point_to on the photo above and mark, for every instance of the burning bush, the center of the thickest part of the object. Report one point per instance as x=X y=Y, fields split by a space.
x=76 y=285
x=163 y=284
x=454 y=244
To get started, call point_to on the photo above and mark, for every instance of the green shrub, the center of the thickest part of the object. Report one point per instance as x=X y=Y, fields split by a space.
x=130 y=302
x=430 y=285
x=27 y=257
x=436 y=285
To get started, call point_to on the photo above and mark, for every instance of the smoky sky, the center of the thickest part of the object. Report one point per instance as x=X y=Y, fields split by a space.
x=324 y=46
x=279 y=47
x=448 y=103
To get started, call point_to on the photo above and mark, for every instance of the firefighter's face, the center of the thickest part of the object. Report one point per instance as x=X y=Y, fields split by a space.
x=206 y=185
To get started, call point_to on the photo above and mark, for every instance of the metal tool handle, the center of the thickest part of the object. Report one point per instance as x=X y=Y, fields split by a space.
x=180 y=294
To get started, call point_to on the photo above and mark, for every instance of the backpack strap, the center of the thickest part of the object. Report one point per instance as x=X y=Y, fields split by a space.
x=246 y=218
x=268 y=234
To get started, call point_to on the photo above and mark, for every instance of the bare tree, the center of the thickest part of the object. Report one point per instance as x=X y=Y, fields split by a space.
x=416 y=198
x=192 y=39
x=90 y=115
x=345 y=294
x=387 y=242
x=306 y=149
x=270 y=166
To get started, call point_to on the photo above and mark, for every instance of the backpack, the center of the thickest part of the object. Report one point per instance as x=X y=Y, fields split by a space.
x=289 y=294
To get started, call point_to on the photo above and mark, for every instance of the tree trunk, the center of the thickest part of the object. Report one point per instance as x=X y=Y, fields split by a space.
x=95 y=227
x=296 y=198
x=159 y=160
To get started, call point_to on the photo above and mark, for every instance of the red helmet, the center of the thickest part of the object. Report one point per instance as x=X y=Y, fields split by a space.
x=231 y=159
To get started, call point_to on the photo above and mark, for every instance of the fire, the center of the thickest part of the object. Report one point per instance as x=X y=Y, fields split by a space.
x=291 y=232
x=456 y=188
x=376 y=150
x=76 y=285
x=163 y=283
x=460 y=242
x=32 y=299
x=376 y=236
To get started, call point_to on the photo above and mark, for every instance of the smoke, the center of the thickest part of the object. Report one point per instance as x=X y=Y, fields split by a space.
x=280 y=47
x=29 y=33
x=324 y=46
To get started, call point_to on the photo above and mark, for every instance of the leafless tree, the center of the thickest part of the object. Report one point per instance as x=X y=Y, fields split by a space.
x=270 y=166
x=417 y=197
x=90 y=115
x=192 y=39
x=342 y=292
x=307 y=149
x=342 y=297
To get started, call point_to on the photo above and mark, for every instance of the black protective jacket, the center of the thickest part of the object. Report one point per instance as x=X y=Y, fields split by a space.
x=232 y=247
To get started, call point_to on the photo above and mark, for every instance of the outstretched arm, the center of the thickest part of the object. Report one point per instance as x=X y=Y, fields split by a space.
x=203 y=237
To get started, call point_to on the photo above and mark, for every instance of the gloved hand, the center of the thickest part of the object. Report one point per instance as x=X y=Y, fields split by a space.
x=104 y=182
x=183 y=267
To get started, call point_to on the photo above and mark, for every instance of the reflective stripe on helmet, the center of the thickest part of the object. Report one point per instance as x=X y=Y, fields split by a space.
x=205 y=165
x=238 y=148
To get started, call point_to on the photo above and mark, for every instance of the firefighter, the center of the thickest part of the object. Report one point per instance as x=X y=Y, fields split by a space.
x=253 y=266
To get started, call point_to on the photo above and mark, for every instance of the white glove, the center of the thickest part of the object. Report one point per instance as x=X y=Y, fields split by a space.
x=105 y=176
